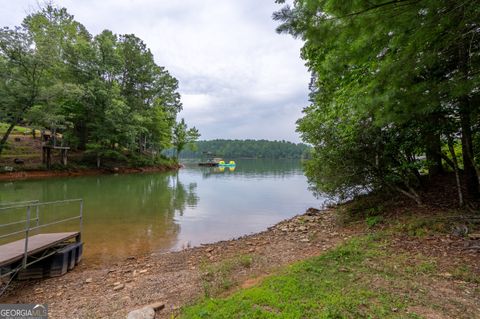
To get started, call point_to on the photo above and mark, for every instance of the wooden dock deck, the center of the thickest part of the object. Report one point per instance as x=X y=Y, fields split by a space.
x=15 y=251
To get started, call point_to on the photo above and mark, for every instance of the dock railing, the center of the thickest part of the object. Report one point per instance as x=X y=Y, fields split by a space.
x=32 y=223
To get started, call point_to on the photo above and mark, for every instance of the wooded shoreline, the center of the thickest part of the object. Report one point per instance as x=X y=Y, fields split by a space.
x=76 y=172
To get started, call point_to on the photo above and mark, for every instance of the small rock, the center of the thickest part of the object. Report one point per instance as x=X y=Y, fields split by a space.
x=305 y=240
x=285 y=229
x=302 y=228
x=144 y=313
x=143 y=271
x=117 y=283
x=460 y=230
x=89 y=280
x=251 y=250
x=312 y=211
x=209 y=249
x=119 y=287
x=446 y=275
x=474 y=236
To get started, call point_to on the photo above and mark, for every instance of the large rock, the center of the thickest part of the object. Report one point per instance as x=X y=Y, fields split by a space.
x=147 y=312
x=144 y=313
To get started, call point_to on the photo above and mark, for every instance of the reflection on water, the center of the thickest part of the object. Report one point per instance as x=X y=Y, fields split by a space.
x=142 y=213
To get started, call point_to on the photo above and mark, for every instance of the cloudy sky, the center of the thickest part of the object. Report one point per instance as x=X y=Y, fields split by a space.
x=238 y=78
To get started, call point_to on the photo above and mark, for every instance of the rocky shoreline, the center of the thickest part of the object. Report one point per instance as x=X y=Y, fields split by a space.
x=171 y=280
x=44 y=174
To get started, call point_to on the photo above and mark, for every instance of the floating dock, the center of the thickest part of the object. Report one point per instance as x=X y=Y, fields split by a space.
x=39 y=254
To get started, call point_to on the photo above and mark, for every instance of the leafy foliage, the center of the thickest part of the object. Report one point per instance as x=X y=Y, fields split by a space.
x=182 y=136
x=249 y=149
x=392 y=82
x=104 y=93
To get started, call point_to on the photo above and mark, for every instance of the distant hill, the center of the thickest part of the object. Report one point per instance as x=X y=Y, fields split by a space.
x=248 y=149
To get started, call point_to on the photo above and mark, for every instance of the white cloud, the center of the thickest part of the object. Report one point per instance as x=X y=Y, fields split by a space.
x=238 y=78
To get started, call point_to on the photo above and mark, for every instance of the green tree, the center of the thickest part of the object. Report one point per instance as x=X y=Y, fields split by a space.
x=22 y=77
x=105 y=94
x=390 y=80
x=183 y=136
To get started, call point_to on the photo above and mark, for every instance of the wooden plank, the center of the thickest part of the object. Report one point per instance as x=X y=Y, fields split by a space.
x=14 y=251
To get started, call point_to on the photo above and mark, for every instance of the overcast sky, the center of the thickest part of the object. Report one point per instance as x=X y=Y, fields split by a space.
x=238 y=77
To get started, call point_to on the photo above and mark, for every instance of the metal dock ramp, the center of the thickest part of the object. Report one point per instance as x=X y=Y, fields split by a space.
x=34 y=246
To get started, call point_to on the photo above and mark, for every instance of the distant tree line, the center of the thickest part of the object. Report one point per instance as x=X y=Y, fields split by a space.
x=105 y=94
x=248 y=149
x=395 y=93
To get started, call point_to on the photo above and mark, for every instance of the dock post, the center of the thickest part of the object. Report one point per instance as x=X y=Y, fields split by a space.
x=27 y=229
x=37 y=211
x=81 y=220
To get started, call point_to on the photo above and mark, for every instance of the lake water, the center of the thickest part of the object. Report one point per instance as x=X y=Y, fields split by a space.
x=133 y=214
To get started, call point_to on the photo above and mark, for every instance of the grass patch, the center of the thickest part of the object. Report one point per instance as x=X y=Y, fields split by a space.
x=16 y=129
x=337 y=284
x=373 y=221
x=218 y=278
x=464 y=273
x=364 y=208
x=420 y=226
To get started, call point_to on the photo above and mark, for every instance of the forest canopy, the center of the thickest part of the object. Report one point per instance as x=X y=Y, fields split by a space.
x=394 y=93
x=104 y=94
x=248 y=149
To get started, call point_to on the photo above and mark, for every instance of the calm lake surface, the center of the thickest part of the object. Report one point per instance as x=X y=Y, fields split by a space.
x=133 y=214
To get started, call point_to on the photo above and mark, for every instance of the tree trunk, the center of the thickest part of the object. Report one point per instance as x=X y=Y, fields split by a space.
x=81 y=132
x=457 y=171
x=471 y=178
x=413 y=195
x=5 y=136
x=410 y=194
x=433 y=151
